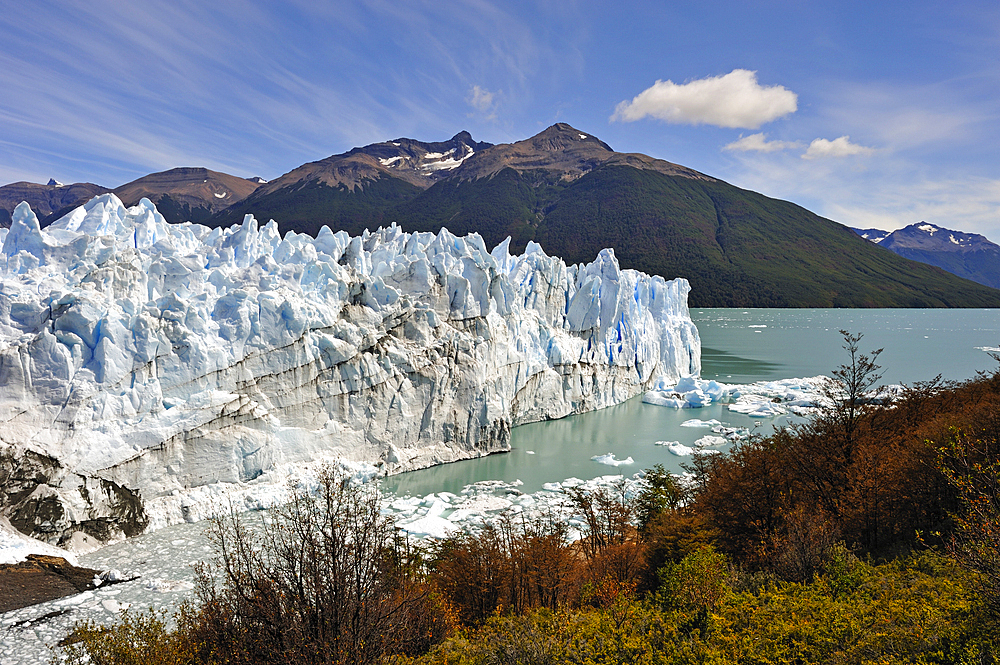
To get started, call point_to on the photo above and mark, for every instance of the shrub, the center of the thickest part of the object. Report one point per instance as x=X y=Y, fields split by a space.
x=325 y=581
x=140 y=638
x=508 y=568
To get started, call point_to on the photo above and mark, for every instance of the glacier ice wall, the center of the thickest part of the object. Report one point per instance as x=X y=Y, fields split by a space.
x=140 y=359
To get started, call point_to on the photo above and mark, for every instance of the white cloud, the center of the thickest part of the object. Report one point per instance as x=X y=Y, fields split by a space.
x=734 y=100
x=971 y=205
x=759 y=143
x=890 y=192
x=839 y=147
x=482 y=99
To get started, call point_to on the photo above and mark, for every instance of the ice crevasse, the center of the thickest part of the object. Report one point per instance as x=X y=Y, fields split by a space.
x=141 y=359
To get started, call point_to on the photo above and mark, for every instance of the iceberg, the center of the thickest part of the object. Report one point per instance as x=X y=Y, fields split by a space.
x=143 y=363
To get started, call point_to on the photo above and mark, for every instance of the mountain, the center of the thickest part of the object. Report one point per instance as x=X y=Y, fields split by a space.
x=181 y=194
x=574 y=195
x=874 y=235
x=967 y=255
x=45 y=200
x=355 y=189
x=187 y=194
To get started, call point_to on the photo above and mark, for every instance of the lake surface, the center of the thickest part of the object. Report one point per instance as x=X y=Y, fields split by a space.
x=738 y=346
x=746 y=345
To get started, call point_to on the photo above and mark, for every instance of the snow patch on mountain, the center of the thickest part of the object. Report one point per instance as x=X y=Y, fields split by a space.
x=142 y=362
x=445 y=161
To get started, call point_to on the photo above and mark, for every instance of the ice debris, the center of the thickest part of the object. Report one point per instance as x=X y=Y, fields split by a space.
x=763 y=399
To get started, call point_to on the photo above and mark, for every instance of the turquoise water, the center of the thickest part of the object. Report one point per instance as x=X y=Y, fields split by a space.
x=738 y=346
x=918 y=343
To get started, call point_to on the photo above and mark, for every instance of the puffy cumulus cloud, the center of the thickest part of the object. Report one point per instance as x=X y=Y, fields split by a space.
x=840 y=147
x=759 y=143
x=481 y=99
x=734 y=100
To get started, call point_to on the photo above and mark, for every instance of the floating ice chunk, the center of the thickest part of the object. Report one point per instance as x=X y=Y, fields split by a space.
x=610 y=460
x=755 y=407
x=677 y=448
x=113 y=606
x=661 y=398
x=707 y=424
x=762 y=399
x=709 y=441
x=77 y=599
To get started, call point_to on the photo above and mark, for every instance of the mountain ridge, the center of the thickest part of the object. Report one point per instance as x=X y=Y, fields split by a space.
x=46 y=200
x=968 y=255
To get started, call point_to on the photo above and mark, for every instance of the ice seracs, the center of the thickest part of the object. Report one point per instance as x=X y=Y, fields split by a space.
x=142 y=363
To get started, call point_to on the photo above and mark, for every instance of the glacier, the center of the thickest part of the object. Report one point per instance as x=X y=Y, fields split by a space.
x=141 y=361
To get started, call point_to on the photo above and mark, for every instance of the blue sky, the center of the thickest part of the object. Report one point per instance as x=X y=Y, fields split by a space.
x=871 y=113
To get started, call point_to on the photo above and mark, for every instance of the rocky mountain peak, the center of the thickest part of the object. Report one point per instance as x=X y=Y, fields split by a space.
x=565 y=152
x=927 y=236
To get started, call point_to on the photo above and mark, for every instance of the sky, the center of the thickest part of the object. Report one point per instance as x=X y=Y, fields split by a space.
x=873 y=114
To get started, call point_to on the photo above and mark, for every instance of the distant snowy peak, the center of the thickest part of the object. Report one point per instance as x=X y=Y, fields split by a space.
x=928 y=237
x=54 y=183
x=967 y=255
x=418 y=163
x=426 y=159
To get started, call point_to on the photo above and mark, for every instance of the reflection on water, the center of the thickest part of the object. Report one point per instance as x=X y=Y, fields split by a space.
x=728 y=367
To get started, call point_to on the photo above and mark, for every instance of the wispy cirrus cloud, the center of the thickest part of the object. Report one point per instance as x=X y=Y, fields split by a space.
x=734 y=100
x=252 y=88
x=886 y=190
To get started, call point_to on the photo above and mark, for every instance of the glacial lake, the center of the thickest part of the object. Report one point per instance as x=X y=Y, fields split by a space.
x=738 y=346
